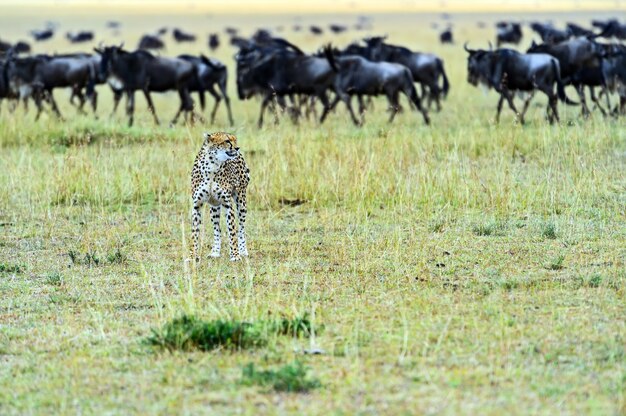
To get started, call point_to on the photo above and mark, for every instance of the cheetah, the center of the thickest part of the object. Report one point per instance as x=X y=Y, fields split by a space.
x=219 y=176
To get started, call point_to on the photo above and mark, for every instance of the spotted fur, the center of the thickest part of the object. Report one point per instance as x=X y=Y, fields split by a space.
x=219 y=177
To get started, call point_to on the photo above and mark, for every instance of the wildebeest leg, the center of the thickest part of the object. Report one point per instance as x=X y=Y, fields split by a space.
x=54 y=105
x=93 y=99
x=202 y=99
x=324 y=99
x=264 y=104
x=596 y=101
x=361 y=105
x=499 y=109
x=411 y=94
x=392 y=99
x=526 y=104
x=181 y=108
x=217 y=98
x=580 y=89
x=146 y=93
x=117 y=96
x=552 y=103
x=222 y=85
x=509 y=99
x=130 y=106
x=347 y=98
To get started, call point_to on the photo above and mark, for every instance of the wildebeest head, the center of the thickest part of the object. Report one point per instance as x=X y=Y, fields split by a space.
x=108 y=55
x=479 y=65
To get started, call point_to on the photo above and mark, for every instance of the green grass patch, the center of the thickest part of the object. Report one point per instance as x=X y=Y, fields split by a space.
x=290 y=378
x=490 y=228
x=190 y=333
x=12 y=268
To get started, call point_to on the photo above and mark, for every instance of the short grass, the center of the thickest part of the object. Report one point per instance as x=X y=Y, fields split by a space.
x=465 y=268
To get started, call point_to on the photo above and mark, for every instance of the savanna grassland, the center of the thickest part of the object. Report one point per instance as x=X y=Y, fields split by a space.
x=462 y=268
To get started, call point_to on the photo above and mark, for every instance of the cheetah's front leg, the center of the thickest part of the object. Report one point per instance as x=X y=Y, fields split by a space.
x=196 y=220
x=232 y=237
x=217 y=239
x=241 y=213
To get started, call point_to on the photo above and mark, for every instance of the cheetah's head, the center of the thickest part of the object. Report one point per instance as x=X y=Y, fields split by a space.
x=221 y=146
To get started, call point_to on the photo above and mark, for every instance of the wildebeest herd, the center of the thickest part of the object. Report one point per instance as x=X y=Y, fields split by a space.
x=285 y=77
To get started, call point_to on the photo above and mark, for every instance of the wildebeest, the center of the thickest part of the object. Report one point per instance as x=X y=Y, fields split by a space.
x=508 y=32
x=549 y=34
x=336 y=28
x=5 y=46
x=574 y=56
x=358 y=76
x=426 y=68
x=577 y=30
x=140 y=70
x=446 y=36
x=79 y=37
x=21 y=47
x=38 y=76
x=316 y=30
x=41 y=35
x=113 y=24
x=150 y=42
x=214 y=41
x=508 y=71
x=611 y=29
x=614 y=75
x=181 y=36
x=276 y=71
x=208 y=73
x=231 y=31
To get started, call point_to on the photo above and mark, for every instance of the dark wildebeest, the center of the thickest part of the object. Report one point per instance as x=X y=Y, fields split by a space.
x=208 y=73
x=426 y=68
x=281 y=69
x=508 y=32
x=316 y=30
x=161 y=31
x=446 y=36
x=21 y=47
x=214 y=41
x=40 y=35
x=508 y=71
x=150 y=42
x=38 y=77
x=113 y=24
x=574 y=56
x=577 y=30
x=611 y=29
x=358 y=76
x=335 y=28
x=79 y=37
x=181 y=36
x=549 y=34
x=5 y=46
x=231 y=31
x=140 y=70
x=614 y=75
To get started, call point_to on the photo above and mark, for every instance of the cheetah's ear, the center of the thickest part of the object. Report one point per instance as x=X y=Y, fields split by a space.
x=207 y=136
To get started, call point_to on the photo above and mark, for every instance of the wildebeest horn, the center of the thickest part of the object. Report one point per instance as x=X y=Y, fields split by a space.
x=121 y=45
x=490 y=46
x=467 y=49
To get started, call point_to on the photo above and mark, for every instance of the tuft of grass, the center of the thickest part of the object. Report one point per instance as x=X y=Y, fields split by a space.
x=54 y=279
x=489 y=228
x=556 y=263
x=290 y=378
x=12 y=268
x=549 y=230
x=593 y=280
x=116 y=257
x=188 y=333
